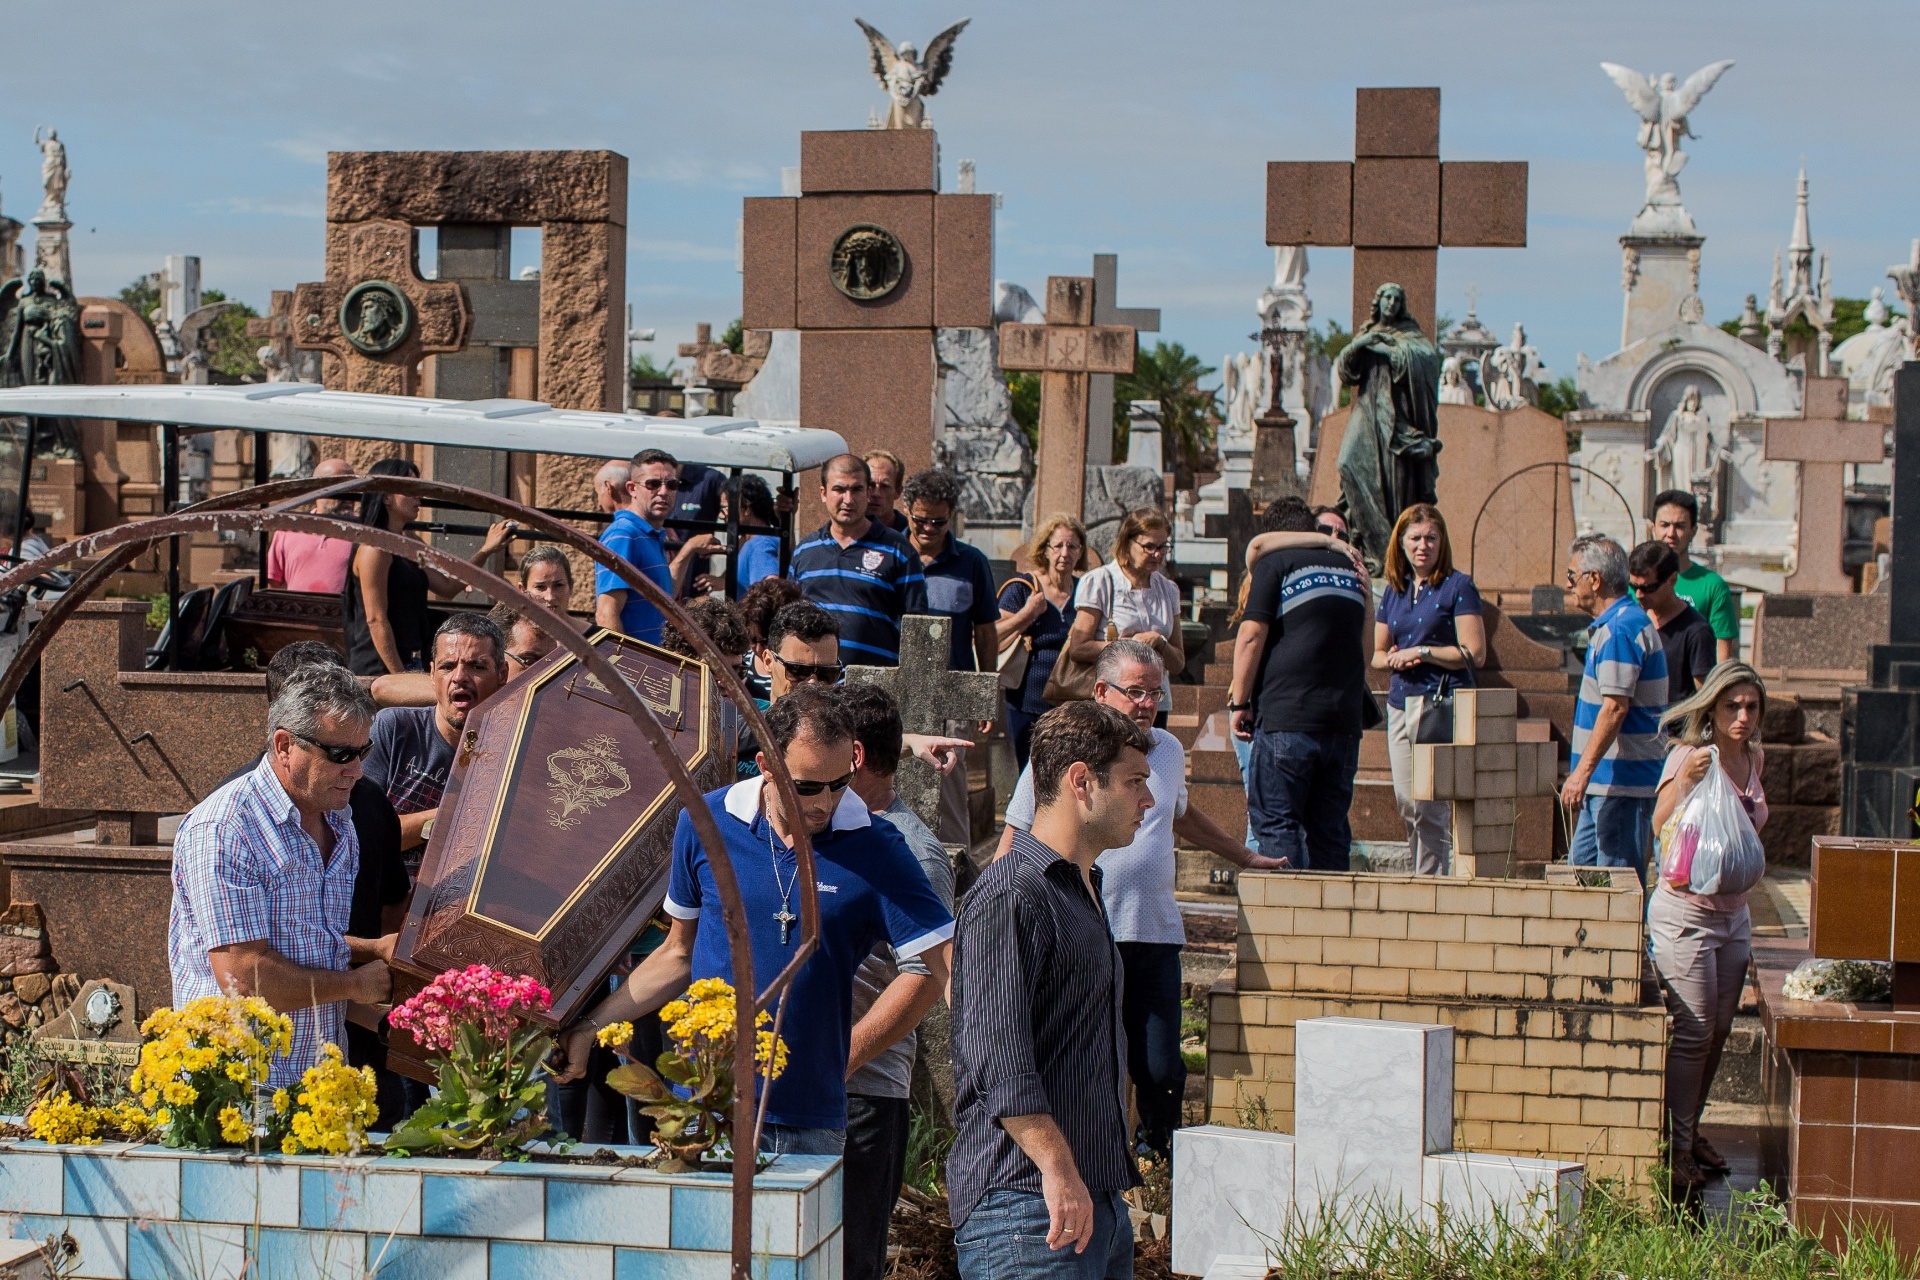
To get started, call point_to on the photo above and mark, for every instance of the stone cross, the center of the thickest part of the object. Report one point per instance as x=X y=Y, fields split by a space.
x=380 y=353
x=1066 y=351
x=1106 y=272
x=929 y=694
x=1395 y=202
x=1822 y=440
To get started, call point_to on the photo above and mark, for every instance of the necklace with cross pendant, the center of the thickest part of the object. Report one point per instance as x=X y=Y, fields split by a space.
x=784 y=917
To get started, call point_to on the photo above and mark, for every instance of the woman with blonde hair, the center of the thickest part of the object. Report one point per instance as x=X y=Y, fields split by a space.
x=1702 y=942
x=1036 y=609
x=1132 y=594
x=1427 y=629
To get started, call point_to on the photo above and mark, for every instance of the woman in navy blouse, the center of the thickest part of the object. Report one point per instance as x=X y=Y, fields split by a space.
x=1036 y=609
x=1428 y=627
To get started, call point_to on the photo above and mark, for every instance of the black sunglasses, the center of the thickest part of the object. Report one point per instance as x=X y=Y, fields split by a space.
x=337 y=754
x=671 y=486
x=802 y=672
x=811 y=787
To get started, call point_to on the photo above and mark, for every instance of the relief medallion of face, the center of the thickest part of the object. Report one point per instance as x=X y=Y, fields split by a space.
x=375 y=317
x=867 y=262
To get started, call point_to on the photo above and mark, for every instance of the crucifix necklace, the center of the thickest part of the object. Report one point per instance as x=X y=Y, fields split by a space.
x=784 y=917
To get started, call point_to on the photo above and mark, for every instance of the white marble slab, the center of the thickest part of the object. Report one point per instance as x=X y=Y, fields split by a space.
x=1232 y=1192
x=1371 y=1100
x=1537 y=1196
x=1232 y=1266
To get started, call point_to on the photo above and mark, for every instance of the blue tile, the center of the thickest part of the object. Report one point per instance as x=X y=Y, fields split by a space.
x=702 y=1219
x=312 y=1255
x=418 y=1258
x=354 y=1198
x=102 y=1241
x=31 y=1181
x=824 y=1263
x=214 y=1189
x=113 y=1187
x=608 y=1213
x=662 y=1264
x=512 y=1260
x=503 y=1208
x=171 y=1250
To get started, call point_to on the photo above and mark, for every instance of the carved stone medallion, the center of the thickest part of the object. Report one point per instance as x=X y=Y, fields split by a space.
x=868 y=262
x=375 y=317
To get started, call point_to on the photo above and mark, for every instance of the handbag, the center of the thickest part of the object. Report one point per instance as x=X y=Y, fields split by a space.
x=1436 y=715
x=1072 y=680
x=1013 y=667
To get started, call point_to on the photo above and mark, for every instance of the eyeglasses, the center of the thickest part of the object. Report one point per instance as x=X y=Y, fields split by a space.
x=656 y=484
x=1139 y=697
x=1151 y=548
x=335 y=753
x=929 y=522
x=811 y=787
x=1573 y=577
x=802 y=672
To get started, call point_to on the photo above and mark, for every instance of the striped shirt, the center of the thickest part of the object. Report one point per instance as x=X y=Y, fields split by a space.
x=1036 y=1027
x=867 y=585
x=1626 y=660
x=244 y=870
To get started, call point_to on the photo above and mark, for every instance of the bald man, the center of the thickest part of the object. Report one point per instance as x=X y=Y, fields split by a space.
x=308 y=561
x=610 y=485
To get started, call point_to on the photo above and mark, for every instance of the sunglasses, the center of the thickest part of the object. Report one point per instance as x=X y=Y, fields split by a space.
x=1641 y=588
x=811 y=787
x=929 y=522
x=802 y=672
x=337 y=754
x=671 y=486
x=1573 y=579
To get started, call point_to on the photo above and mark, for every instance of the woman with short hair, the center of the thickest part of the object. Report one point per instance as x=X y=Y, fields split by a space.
x=1132 y=595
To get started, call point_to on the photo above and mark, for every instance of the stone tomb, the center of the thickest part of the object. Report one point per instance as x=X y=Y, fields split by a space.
x=1486 y=771
x=1373 y=1132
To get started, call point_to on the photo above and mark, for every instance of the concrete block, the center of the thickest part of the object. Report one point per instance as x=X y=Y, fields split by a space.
x=1231 y=1187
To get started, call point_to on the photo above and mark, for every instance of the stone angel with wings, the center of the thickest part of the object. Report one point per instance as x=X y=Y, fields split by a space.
x=1663 y=107
x=907 y=77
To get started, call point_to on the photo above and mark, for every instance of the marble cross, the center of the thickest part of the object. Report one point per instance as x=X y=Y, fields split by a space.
x=930 y=694
x=1822 y=440
x=1106 y=286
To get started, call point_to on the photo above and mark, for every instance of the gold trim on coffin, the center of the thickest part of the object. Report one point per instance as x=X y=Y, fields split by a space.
x=515 y=760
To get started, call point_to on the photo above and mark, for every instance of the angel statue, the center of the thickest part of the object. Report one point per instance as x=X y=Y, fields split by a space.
x=39 y=332
x=1663 y=107
x=1389 y=457
x=907 y=77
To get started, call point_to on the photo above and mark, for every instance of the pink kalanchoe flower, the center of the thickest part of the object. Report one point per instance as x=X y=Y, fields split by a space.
x=495 y=1001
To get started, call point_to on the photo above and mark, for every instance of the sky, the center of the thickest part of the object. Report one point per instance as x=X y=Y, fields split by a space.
x=1122 y=126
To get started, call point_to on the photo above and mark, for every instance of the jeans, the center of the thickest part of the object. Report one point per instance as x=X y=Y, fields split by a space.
x=1150 y=1013
x=876 y=1163
x=1020 y=731
x=1005 y=1238
x=790 y=1140
x=1243 y=751
x=1429 y=822
x=1299 y=788
x=1613 y=831
x=1701 y=955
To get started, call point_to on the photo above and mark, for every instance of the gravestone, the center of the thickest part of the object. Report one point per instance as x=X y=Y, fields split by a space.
x=374 y=314
x=1106 y=288
x=1822 y=440
x=929 y=695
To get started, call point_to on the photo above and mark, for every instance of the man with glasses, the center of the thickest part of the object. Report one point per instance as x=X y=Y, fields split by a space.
x=638 y=535
x=1685 y=634
x=871 y=891
x=1617 y=747
x=1137 y=889
x=264 y=872
x=861 y=572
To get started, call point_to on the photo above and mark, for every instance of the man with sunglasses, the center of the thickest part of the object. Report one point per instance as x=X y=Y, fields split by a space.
x=638 y=535
x=1685 y=633
x=861 y=572
x=870 y=891
x=264 y=872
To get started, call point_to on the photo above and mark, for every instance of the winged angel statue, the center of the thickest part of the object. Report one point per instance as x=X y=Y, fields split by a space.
x=1663 y=107
x=907 y=77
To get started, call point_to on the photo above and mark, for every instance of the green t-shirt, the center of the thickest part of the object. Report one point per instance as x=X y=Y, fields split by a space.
x=1707 y=591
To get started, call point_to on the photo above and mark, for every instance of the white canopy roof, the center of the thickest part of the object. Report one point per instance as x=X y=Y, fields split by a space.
x=525 y=425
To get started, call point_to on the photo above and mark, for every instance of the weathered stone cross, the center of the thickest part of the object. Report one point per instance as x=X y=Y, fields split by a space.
x=929 y=695
x=1066 y=351
x=1395 y=202
x=1822 y=440
x=379 y=317
x=1106 y=287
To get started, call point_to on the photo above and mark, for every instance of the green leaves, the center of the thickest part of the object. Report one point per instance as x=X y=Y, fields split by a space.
x=492 y=1097
x=1189 y=414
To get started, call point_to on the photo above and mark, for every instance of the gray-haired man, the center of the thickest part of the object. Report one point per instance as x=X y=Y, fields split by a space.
x=263 y=873
x=1138 y=888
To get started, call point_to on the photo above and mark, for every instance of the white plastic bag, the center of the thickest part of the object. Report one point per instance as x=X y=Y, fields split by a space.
x=1714 y=848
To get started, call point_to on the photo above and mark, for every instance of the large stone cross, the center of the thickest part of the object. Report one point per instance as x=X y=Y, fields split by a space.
x=930 y=694
x=1395 y=202
x=1066 y=351
x=378 y=317
x=1106 y=287
x=1822 y=440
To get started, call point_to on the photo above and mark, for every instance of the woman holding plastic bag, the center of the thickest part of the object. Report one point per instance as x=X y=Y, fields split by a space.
x=1708 y=822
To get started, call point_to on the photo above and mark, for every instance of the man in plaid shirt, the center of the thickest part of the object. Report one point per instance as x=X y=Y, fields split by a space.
x=263 y=873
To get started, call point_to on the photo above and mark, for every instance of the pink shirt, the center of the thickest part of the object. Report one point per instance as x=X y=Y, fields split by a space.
x=1755 y=794
x=309 y=562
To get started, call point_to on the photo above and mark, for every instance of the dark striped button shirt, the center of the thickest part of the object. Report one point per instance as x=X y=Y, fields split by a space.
x=1036 y=1027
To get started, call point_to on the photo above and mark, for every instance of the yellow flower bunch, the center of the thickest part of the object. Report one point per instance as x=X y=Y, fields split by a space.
x=335 y=1107
x=203 y=1065
x=614 y=1034
x=704 y=1023
x=61 y=1119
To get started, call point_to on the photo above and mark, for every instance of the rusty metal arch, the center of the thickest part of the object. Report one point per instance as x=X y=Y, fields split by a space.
x=1572 y=469
x=123 y=543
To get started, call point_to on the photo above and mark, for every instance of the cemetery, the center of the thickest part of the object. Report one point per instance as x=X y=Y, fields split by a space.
x=1497 y=990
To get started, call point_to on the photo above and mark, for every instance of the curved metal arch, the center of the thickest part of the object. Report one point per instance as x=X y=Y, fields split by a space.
x=1473 y=543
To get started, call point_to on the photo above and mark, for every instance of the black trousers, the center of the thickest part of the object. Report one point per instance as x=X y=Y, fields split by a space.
x=587 y=1109
x=876 y=1162
x=1150 y=1012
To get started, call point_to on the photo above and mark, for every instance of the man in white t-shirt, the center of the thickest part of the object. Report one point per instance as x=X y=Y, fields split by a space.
x=1137 y=888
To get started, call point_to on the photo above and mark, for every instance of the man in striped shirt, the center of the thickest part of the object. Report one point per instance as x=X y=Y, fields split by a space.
x=1617 y=749
x=865 y=575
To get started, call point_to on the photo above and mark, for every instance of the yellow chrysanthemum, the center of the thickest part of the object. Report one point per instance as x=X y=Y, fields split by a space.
x=233 y=1125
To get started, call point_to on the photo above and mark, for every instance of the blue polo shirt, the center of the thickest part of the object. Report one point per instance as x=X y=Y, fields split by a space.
x=960 y=585
x=636 y=541
x=1624 y=659
x=759 y=558
x=1424 y=614
x=871 y=890
x=867 y=585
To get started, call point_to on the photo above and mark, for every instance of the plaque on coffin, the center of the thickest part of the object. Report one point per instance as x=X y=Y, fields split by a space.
x=551 y=847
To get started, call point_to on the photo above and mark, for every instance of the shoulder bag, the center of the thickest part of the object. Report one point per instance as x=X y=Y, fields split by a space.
x=1436 y=714
x=1072 y=680
x=1013 y=668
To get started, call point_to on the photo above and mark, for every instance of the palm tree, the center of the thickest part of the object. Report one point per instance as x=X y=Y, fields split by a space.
x=1189 y=413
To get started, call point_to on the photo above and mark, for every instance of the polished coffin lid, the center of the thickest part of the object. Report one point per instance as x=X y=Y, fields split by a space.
x=551 y=848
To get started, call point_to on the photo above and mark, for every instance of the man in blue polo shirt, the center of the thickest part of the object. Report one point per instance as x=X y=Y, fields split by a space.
x=871 y=891
x=1617 y=748
x=865 y=575
x=638 y=535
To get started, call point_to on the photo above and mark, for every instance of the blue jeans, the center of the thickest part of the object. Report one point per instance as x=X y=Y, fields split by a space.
x=1242 y=751
x=1299 y=788
x=789 y=1140
x=1613 y=831
x=1005 y=1238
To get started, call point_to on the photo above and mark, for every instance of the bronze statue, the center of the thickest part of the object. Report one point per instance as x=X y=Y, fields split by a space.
x=1388 y=459
x=39 y=332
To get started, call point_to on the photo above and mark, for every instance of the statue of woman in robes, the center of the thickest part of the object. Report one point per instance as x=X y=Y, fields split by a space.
x=1389 y=457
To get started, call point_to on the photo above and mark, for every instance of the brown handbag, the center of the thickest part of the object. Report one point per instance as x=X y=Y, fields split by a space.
x=1072 y=680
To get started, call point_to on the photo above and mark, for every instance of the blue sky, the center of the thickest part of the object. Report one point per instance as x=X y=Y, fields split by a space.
x=1127 y=127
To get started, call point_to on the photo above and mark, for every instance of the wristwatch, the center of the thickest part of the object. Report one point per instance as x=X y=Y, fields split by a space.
x=1425 y=651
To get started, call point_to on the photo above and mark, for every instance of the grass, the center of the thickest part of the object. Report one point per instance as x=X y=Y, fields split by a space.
x=928 y=1142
